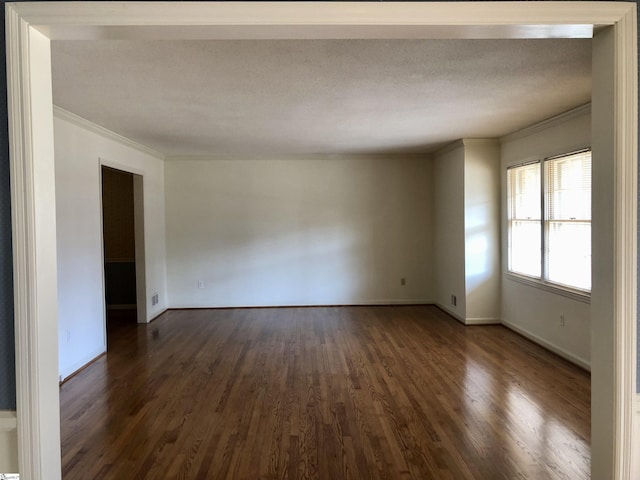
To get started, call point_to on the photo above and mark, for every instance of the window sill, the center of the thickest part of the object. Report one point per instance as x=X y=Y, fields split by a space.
x=550 y=287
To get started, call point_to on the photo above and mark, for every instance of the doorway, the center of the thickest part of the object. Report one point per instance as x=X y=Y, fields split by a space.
x=123 y=248
x=32 y=165
x=119 y=247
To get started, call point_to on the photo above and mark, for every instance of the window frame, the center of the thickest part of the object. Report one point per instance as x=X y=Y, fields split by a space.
x=541 y=282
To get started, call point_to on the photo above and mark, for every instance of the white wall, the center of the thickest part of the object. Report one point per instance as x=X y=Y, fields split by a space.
x=531 y=310
x=79 y=148
x=449 y=238
x=482 y=230
x=467 y=196
x=8 y=442
x=299 y=231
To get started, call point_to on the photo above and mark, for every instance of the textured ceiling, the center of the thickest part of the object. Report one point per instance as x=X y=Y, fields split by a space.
x=264 y=97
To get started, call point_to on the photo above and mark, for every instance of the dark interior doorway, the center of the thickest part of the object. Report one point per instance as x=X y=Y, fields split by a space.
x=118 y=232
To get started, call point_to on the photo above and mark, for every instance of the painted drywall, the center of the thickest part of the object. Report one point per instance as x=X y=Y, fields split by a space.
x=299 y=231
x=8 y=442
x=482 y=230
x=466 y=192
x=79 y=152
x=449 y=236
x=530 y=310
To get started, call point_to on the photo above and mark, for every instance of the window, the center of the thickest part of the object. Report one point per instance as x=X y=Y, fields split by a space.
x=549 y=220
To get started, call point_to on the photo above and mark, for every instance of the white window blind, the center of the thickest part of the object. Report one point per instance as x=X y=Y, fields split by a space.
x=549 y=220
x=525 y=217
x=568 y=220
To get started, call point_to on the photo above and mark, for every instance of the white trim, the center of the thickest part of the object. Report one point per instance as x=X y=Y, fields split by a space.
x=447 y=310
x=581 y=362
x=140 y=246
x=625 y=241
x=468 y=321
x=30 y=116
x=465 y=142
x=548 y=123
x=355 y=303
x=8 y=421
x=81 y=122
x=561 y=352
x=482 y=321
x=450 y=147
x=76 y=366
x=298 y=158
x=104 y=162
x=244 y=20
x=548 y=287
x=34 y=303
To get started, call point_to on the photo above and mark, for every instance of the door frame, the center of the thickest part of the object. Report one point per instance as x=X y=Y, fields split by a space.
x=139 y=238
x=31 y=26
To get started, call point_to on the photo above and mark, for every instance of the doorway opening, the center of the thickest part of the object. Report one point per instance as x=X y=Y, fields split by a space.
x=123 y=252
x=32 y=161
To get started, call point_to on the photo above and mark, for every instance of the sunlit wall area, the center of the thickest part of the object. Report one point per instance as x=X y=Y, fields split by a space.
x=466 y=177
x=553 y=317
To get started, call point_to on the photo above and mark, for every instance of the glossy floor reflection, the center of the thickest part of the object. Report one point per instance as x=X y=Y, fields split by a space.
x=326 y=393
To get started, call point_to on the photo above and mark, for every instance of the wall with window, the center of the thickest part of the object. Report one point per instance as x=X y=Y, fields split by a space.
x=553 y=317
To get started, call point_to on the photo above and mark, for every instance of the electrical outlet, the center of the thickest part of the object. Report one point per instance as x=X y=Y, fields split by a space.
x=562 y=320
x=200 y=283
x=68 y=335
x=403 y=281
x=454 y=300
x=155 y=299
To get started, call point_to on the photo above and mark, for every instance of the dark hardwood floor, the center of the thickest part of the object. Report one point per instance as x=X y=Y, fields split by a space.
x=326 y=393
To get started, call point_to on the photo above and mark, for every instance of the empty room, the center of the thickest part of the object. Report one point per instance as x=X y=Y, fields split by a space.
x=328 y=256
x=358 y=184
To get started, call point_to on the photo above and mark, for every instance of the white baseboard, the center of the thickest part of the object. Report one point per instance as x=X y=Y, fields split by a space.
x=450 y=312
x=581 y=362
x=395 y=302
x=469 y=321
x=483 y=321
x=326 y=304
x=71 y=369
x=155 y=315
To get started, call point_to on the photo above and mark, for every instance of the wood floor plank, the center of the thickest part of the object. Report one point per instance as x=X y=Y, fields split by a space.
x=324 y=393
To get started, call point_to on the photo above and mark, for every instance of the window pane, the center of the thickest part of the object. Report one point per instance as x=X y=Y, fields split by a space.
x=524 y=192
x=569 y=187
x=569 y=254
x=524 y=219
x=568 y=220
x=524 y=247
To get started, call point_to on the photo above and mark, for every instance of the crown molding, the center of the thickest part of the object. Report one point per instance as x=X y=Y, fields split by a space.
x=302 y=157
x=450 y=147
x=81 y=122
x=548 y=123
